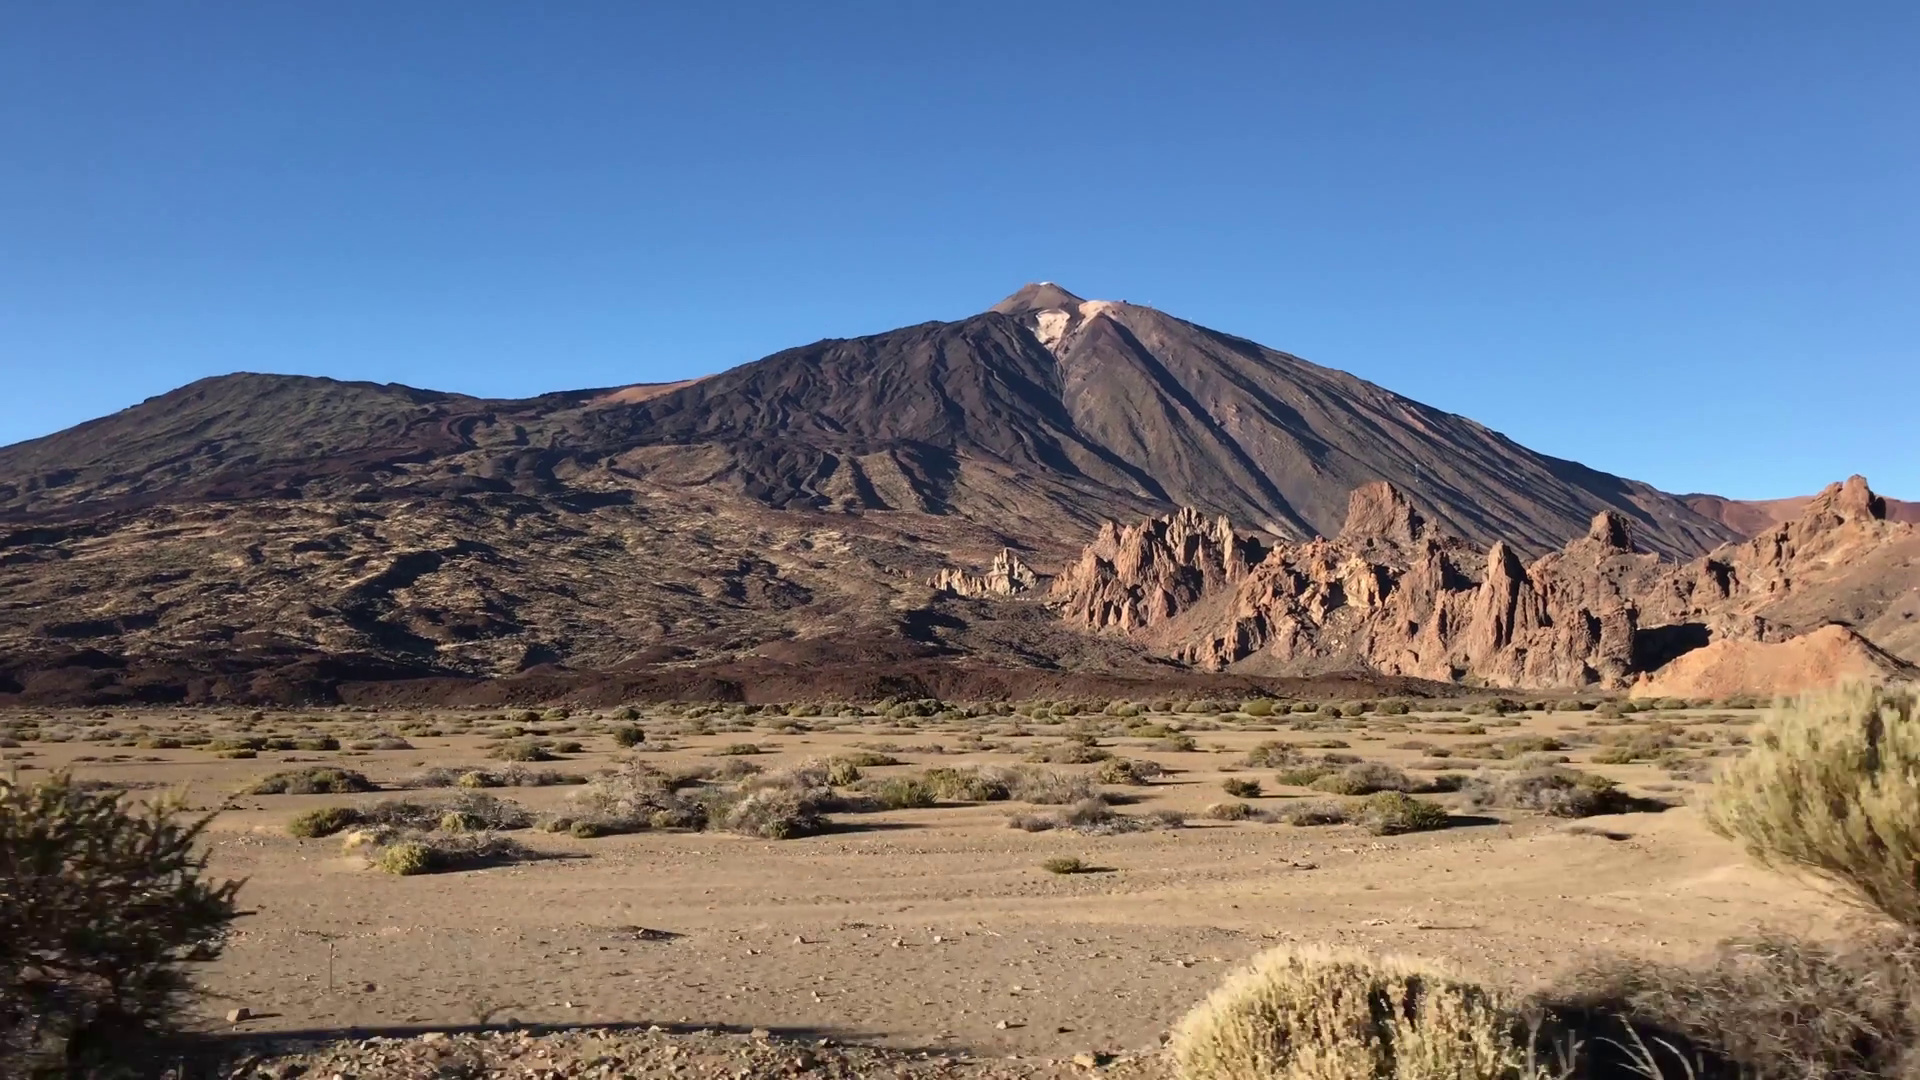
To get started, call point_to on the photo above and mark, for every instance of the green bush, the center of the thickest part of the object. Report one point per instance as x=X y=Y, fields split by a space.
x=1241 y=788
x=1257 y=707
x=904 y=793
x=323 y=821
x=1390 y=813
x=628 y=736
x=100 y=908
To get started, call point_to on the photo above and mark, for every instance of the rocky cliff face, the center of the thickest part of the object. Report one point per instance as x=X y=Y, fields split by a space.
x=1389 y=592
x=1131 y=578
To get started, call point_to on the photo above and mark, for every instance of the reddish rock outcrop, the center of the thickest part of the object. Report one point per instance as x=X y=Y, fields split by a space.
x=1392 y=594
x=1130 y=578
x=1008 y=575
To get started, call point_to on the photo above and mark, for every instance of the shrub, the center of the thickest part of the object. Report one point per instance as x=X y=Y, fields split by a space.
x=318 y=780
x=474 y=811
x=323 y=821
x=1092 y=816
x=1390 y=813
x=1241 y=788
x=100 y=906
x=1257 y=707
x=1068 y=753
x=1305 y=776
x=1272 y=755
x=1566 y=793
x=842 y=773
x=381 y=742
x=631 y=798
x=1314 y=812
x=1831 y=787
x=1364 y=778
x=407 y=857
x=1065 y=864
x=405 y=854
x=904 y=793
x=522 y=750
x=1306 y=1014
x=1762 y=1007
x=867 y=759
x=966 y=785
x=775 y=814
x=739 y=749
x=1121 y=770
x=1228 y=811
x=1045 y=787
x=627 y=736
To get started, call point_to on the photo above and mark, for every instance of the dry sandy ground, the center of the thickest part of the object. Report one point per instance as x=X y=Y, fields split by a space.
x=931 y=929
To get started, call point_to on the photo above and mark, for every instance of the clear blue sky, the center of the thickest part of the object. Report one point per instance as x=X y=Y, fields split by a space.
x=1679 y=242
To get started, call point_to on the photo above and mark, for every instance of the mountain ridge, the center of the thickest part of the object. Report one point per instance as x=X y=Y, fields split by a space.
x=1037 y=416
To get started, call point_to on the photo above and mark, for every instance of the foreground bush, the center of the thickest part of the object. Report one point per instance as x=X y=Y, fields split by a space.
x=100 y=906
x=1316 y=1014
x=1831 y=787
x=1761 y=1008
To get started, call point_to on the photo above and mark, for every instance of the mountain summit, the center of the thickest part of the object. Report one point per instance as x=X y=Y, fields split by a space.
x=1039 y=296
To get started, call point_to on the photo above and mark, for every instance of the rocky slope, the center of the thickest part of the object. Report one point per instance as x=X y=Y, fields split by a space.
x=1393 y=593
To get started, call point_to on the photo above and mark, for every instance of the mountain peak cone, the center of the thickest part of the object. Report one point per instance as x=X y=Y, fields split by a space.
x=1039 y=296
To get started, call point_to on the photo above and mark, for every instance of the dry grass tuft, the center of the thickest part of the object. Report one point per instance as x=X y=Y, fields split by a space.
x=1831 y=787
x=1317 y=1014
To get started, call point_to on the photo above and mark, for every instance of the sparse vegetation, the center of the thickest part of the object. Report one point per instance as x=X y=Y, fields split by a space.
x=1241 y=788
x=1065 y=864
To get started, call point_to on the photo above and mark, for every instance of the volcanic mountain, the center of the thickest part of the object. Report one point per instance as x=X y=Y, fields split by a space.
x=782 y=508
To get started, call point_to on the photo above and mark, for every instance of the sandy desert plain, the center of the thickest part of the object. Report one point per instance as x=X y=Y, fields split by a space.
x=938 y=930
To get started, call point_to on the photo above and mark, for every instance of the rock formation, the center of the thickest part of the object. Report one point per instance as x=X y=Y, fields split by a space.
x=1392 y=594
x=1769 y=669
x=1007 y=576
x=1143 y=574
